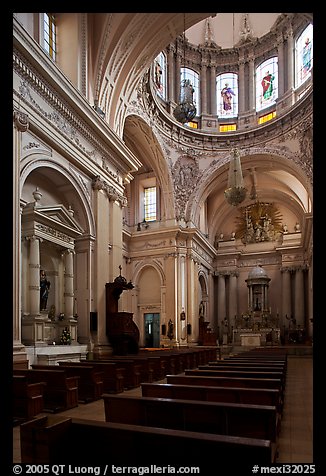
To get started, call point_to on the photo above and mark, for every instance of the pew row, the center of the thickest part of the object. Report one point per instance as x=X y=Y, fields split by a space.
x=227 y=382
x=244 y=374
x=253 y=396
x=60 y=391
x=90 y=380
x=49 y=440
x=28 y=400
x=113 y=376
x=232 y=419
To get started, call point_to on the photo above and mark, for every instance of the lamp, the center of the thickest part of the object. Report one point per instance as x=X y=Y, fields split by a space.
x=186 y=110
x=236 y=192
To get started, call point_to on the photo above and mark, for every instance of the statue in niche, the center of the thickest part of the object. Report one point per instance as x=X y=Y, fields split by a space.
x=44 y=290
x=201 y=309
x=170 y=330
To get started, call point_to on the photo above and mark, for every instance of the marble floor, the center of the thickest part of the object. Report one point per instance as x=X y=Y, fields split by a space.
x=296 y=436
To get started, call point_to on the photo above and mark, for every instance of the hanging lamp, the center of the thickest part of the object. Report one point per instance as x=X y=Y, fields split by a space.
x=236 y=191
x=185 y=110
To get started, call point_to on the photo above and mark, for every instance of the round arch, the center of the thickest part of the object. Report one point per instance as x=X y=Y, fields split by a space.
x=62 y=181
x=143 y=141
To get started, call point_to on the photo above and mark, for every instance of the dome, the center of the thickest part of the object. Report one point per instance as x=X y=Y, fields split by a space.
x=257 y=272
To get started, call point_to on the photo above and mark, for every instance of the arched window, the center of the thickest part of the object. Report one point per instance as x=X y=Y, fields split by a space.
x=160 y=75
x=193 y=77
x=227 y=94
x=266 y=83
x=303 y=56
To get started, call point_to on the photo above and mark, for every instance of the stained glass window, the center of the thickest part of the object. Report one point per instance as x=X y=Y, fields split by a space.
x=227 y=127
x=227 y=94
x=303 y=56
x=266 y=83
x=160 y=75
x=193 y=77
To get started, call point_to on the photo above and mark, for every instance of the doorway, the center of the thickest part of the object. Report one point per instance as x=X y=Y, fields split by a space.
x=152 y=329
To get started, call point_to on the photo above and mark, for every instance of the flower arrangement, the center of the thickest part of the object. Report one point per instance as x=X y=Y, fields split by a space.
x=65 y=337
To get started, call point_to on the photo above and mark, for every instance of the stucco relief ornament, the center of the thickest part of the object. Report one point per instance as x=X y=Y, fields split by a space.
x=185 y=175
x=21 y=121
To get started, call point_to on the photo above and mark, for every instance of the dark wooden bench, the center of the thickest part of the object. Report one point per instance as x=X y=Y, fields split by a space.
x=50 y=440
x=238 y=373
x=132 y=370
x=113 y=376
x=28 y=400
x=90 y=386
x=90 y=380
x=145 y=369
x=219 y=381
x=244 y=366
x=60 y=391
x=256 y=361
x=253 y=396
x=248 y=363
x=233 y=419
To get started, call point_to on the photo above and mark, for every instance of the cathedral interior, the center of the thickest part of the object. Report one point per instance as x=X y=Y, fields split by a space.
x=163 y=183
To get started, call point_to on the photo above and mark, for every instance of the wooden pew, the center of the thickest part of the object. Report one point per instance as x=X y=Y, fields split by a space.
x=238 y=373
x=132 y=370
x=257 y=361
x=28 y=399
x=244 y=367
x=146 y=370
x=48 y=440
x=113 y=376
x=90 y=387
x=253 y=396
x=60 y=391
x=249 y=362
x=233 y=419
x=90 y=382
x=226 y=382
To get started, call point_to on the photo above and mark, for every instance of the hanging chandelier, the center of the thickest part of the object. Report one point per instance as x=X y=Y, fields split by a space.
x=236 y=192
x=185 y=110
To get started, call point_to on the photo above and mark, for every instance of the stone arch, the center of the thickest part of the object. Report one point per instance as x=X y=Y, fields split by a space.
x=143 y=140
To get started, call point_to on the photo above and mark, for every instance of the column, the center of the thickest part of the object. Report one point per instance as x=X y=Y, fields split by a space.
x=251 y=83
x=233 y=298
x=221 y=304
x=34 y=276
x=20 y=125
x=213 y=91
x=183 y=299
x=241 y=85
x=280 y=54
x=177 y=78
x=69 y=284
x=290 y=79
x=171 y=74
x=286 y=294
x=299 y=297
x=203 y=89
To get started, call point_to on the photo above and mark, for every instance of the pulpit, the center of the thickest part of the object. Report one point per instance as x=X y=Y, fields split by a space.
x=121 y=330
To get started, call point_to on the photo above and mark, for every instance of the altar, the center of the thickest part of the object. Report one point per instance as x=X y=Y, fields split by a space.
x=251 y=337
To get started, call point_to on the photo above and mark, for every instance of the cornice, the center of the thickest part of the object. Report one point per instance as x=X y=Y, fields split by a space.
x=31 y=63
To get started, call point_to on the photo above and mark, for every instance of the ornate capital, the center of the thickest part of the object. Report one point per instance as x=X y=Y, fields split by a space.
x=21 y=121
